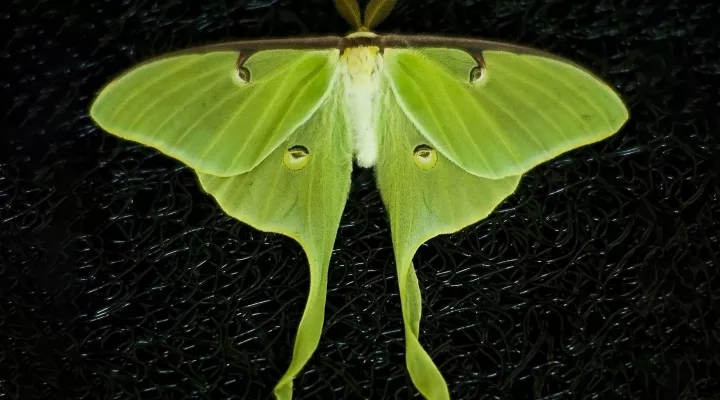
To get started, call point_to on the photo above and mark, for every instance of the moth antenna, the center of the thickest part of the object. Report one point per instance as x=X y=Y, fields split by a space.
x=376 y=11
x=350 y=11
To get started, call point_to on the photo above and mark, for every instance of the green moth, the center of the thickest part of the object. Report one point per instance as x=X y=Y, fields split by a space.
x=272 y=128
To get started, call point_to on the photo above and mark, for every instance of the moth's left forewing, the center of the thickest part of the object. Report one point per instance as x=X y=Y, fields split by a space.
x=497 y=109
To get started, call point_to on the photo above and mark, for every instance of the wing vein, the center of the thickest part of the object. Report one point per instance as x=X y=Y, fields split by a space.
x=422 y=96
x=217 y=105
x=151 y=82
x=465 y=129
x=167 y=94
x=551 y=96
x=243 y=106
x=578 y=93
x=285 y=114
x=497 y=130
x=513 y=115
x=189 y=100
x=548 y=94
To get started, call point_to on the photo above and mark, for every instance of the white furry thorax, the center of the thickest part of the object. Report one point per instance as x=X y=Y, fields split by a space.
x=361 y=68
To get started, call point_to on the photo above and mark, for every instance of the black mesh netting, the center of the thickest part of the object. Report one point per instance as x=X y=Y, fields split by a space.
x=597 y=279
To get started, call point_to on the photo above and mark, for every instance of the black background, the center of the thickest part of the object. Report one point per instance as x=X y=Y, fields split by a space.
x=598 y=278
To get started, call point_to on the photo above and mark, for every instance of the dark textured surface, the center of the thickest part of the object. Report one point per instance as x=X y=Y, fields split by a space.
x=599 y=278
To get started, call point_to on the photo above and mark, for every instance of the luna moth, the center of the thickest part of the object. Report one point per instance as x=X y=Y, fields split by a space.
x=273 y=129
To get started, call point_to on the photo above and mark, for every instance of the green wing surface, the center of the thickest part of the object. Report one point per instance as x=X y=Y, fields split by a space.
x=265 y=130
x=426 y=194
x=515 y=111
x=302 y=198
x=217 y=111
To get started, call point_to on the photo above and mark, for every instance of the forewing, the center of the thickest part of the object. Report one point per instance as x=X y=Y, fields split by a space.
x=519 y=108
x=219 y=110
x=425 y=200
x=304 y=203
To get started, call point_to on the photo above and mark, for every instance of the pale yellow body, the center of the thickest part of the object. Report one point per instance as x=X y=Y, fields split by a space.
x=361 y=70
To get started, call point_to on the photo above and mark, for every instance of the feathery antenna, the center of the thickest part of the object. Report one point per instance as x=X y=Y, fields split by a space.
x=375 y=12
x=350 y=10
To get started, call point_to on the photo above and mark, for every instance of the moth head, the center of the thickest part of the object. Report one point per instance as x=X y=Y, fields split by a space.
x=362 y=62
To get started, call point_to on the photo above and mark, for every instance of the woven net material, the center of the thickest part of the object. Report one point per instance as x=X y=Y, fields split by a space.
x=120 y=279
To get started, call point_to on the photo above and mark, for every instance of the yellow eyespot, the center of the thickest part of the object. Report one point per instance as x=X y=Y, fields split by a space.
x=425 y=157
x=296 y=158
